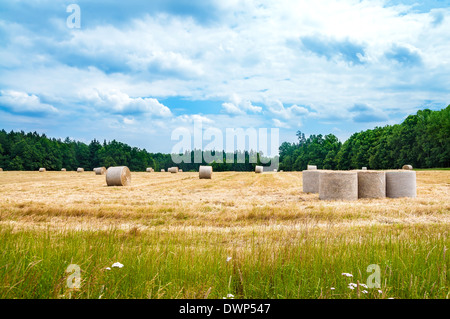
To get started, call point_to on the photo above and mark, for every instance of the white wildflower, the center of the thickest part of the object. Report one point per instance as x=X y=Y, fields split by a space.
x=351 y=287
x=380 y=291
x=230 y=296
x=363 y=285
x=347 y=274
x=332 y=288
x=365 y=292
x=107 y=268
x=228 y=259
x=117 y=265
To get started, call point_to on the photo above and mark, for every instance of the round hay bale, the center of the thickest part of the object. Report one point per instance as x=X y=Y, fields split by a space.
x=371 y=184
x=1 y=169
x=149 y=170
x=173 y=170
x=205 y=172
x=118 y=176
x=100 y=170
x=338 y=185
x=407 y=167
x=401 y=183
x=180 y=171
x=80 y=170
x=281 y=171
x=312 y=167
x=163 y=170
x=310 y=181
x=42 y=170
x=63 y=170
x=275 y=170
x=259 y=169
x=364 y=168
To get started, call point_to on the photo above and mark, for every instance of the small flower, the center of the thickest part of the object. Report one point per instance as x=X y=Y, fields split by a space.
x=332 y=288
x=391 y=298
x=347 y=274
x=363 y=285
x=380 y=291
x=230 y=296
x=228 y=259
x=117 y=265
x=351 y=287
x=107 y=268
x=365 y=292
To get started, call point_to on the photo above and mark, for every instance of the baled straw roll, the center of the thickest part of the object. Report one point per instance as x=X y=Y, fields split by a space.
x=118 y=176
x=205 y=172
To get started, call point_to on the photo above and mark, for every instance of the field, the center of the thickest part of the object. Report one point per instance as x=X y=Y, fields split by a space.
x=245 y=234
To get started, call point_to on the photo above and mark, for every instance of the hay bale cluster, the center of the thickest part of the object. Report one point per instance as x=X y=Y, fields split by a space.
x=118 y=176
x=351 y=185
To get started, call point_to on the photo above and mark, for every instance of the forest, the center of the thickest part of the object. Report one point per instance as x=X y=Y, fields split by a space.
x=422 y=140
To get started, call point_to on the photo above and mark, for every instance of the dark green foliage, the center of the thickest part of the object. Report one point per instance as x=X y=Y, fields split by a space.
x=20 y=151
x=422 y=140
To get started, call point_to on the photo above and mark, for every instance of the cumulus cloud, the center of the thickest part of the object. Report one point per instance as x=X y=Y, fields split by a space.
x=120 y=103
x=288 y=113
x=24 y=103
x=237 y=105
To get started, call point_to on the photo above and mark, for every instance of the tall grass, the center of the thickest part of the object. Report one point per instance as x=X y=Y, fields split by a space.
x=183 y=263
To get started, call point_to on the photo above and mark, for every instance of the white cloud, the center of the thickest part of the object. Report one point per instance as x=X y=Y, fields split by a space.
x=288 y=113
x=237 y=105
x=120 y=103
x=280 y=124
x=21 y=102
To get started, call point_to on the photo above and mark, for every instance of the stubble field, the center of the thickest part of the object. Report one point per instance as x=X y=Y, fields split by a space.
x=240 y=234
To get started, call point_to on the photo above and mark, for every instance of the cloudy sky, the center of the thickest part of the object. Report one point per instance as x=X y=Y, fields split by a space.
x=136 y=70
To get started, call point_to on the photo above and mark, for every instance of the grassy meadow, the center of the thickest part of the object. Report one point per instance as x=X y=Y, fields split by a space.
x=245 y=234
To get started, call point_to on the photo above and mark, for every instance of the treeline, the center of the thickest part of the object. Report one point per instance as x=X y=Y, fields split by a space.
x=30 y=151
x=422 y=140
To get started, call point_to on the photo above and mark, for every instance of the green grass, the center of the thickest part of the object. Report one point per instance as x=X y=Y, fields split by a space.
x=192 y=264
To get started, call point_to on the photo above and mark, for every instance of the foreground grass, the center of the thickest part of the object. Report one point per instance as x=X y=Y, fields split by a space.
x=265 y=263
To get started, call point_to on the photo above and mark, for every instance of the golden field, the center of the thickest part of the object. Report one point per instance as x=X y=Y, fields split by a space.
x=263 y=221
x=182 y=200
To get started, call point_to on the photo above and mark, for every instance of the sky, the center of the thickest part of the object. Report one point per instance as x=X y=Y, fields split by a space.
x=136 y=71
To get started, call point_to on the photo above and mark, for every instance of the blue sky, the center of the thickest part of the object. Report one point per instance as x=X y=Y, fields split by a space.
x=135 y=71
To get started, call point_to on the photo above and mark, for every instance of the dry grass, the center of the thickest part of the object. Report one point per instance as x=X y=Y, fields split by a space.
x=183 y=201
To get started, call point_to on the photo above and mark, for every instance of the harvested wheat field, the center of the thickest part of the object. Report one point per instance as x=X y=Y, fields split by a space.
x=245 y=234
